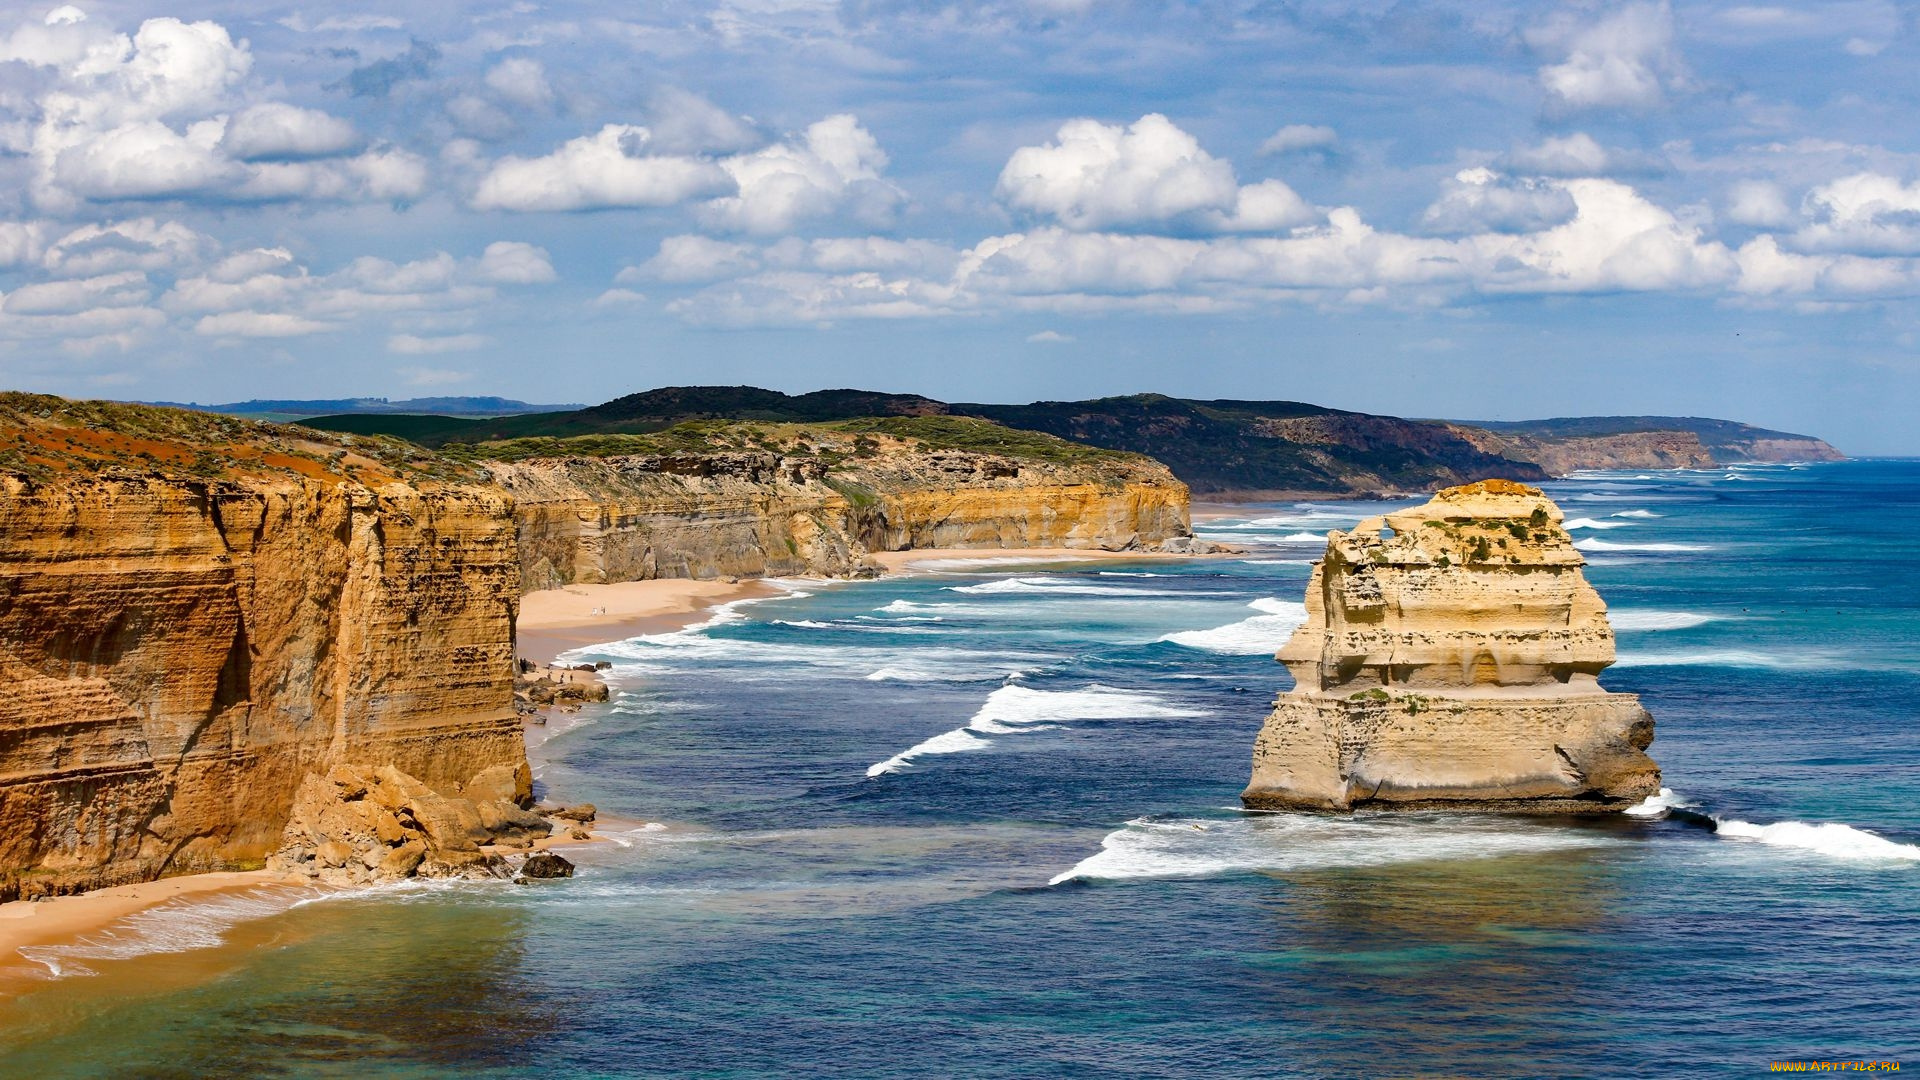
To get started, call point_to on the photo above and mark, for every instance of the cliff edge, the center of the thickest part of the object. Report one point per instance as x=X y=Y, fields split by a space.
x=1450 y=658
x=198 y=613
x=742 y=499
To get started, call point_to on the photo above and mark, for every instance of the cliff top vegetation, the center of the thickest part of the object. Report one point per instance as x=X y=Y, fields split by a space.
x=837 y=443
x=43 y=437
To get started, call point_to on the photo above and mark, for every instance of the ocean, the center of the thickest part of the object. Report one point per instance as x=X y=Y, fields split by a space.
x=984 y=821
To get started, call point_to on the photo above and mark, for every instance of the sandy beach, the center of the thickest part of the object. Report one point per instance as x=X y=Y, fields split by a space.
x=66 y=918
x=555 y=620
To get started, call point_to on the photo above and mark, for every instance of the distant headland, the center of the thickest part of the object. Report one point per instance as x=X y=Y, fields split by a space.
x=1222 y=449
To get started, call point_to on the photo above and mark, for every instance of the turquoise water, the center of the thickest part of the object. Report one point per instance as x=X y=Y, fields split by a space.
x=1046 y=873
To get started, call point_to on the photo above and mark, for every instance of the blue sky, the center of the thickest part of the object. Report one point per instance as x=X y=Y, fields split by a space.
x=1475 y=210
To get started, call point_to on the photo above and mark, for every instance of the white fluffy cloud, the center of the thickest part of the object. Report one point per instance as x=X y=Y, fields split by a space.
x=1625 y=59
x=610 y=168
x=161 y=114
x=1866 y=213
x=1614 y=240
x=1481 y=200
x=1102 y=176
x=834 y=167
x=510 y=262
x=277 y=131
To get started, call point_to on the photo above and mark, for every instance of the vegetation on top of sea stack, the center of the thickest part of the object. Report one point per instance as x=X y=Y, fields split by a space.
x=43 y=437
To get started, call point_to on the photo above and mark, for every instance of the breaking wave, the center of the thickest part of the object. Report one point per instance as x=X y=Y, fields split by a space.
x=1263 y=633
x=1631 y=619
x=1051 y=586
x=1830 y=838
x=1014 y=709
x=1596 y=544
x=1199 y=847
x=1590 y=523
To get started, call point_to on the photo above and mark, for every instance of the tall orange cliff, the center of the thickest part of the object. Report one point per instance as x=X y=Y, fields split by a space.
x=180 y=653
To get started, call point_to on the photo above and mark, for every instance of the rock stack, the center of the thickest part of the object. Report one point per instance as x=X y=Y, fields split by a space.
x=1450 y=658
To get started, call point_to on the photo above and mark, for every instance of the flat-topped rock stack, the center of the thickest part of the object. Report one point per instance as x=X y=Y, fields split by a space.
x=1450 y=658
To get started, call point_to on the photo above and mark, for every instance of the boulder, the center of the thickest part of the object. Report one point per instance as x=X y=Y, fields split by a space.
x=546 y=864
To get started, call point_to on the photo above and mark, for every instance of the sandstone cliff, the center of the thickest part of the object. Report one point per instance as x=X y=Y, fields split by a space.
x=812 y=499
x=197 y=613
x=1450 y=657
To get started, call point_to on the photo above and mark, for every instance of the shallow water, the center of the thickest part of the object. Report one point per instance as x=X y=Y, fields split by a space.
x=982 y=822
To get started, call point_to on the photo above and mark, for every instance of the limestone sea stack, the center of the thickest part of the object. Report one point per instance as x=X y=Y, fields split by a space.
x=1451 y=659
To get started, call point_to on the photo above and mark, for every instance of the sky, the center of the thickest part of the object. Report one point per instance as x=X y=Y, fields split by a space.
x=1478 y=210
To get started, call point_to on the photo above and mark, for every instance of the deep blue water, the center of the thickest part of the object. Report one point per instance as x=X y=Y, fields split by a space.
x=1069 y=889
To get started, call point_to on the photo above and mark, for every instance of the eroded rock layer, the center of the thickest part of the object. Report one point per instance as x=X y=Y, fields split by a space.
x=754 y=513
x=182 y=651
x=1451 y=657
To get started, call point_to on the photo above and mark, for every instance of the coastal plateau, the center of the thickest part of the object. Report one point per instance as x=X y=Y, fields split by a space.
x=1450 y=658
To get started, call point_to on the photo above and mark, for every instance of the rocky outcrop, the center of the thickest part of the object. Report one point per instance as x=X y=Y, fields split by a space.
x=1450 y=658
x=360 y=824
x=198 y=614
x=819 y=509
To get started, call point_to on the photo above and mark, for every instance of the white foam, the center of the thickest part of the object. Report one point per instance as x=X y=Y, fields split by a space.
x=1656 y=804
x=1304 y=538
x=177 y=926
x=1830 y=838
x=1596 y=544
x=1589 y=523
x=1636 y=514
x=805 y=624
x=1053 y=586
x=1631 y=619
x=1197 y=847
x=1012 y=709
x=1254 y=636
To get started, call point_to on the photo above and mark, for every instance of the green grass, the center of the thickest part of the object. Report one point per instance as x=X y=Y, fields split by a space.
x=983 y=436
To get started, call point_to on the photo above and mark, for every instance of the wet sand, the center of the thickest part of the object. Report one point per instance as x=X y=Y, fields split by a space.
x=64 y=919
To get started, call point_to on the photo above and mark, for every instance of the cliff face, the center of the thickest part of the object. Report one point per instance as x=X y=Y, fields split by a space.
x=1627 y=450
x=628 y=517
x=1450 y=657
x=181 y=651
